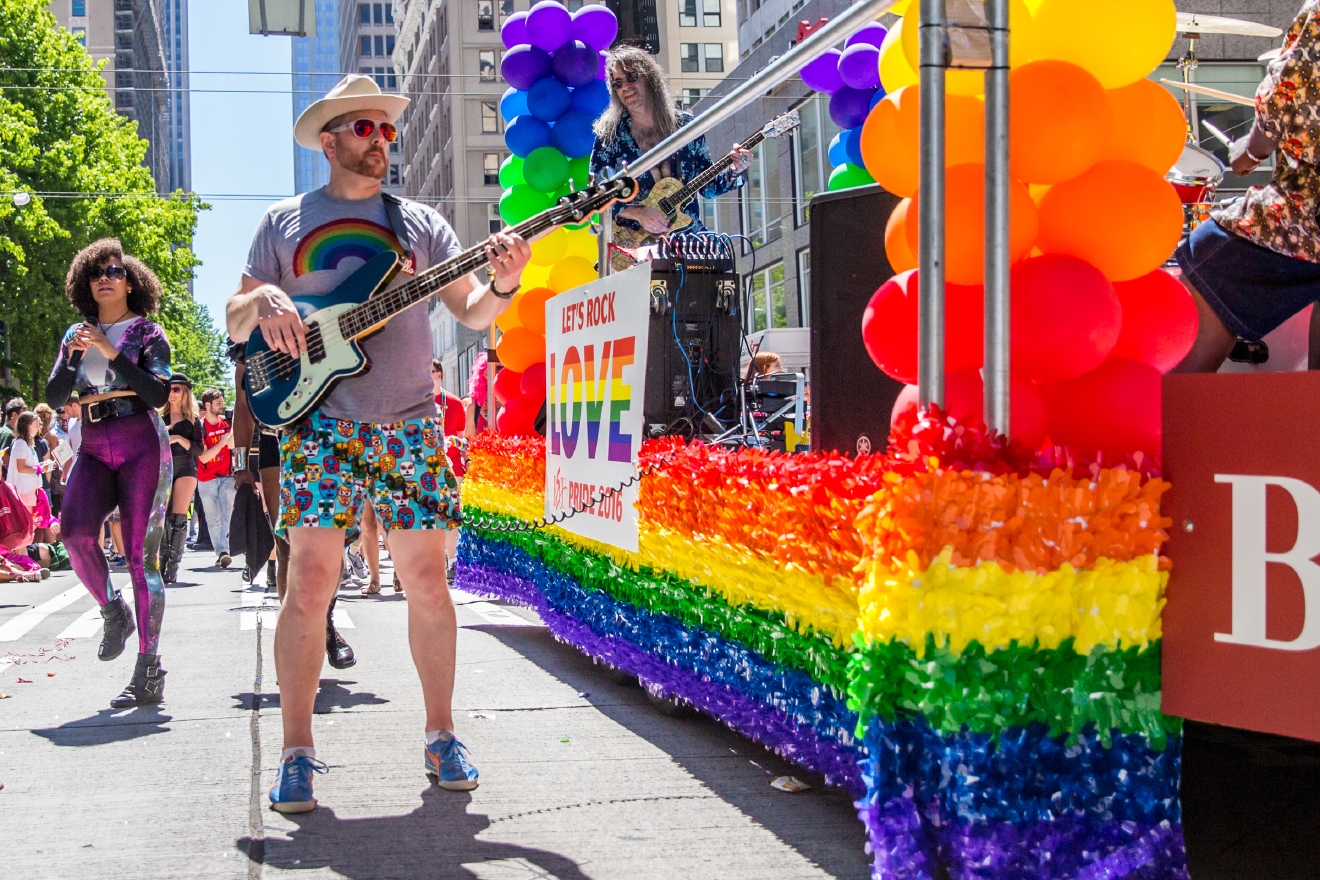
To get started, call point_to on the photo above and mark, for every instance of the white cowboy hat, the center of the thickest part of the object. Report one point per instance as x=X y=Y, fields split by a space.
x=353 y=92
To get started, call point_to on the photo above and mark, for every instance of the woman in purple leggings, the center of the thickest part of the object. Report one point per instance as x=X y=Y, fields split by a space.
x=118 y=362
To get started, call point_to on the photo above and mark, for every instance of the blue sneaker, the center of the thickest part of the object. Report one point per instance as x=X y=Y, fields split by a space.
x=447 y=761
x=292 y=791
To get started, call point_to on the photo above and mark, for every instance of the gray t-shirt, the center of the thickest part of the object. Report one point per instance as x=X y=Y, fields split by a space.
x=310 y=243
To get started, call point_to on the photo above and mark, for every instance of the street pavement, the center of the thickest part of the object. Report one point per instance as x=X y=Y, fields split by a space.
x=581 y=777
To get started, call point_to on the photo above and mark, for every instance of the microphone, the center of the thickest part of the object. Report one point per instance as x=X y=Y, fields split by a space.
x=76 y=358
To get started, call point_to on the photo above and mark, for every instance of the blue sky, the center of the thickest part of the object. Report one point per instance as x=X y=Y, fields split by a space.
x=241 y=143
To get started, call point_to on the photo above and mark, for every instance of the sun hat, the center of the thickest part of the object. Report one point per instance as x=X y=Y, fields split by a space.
x=181 y=379
x=353 y=92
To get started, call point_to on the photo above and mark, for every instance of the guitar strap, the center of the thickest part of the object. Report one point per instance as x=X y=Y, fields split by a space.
x=394 y=211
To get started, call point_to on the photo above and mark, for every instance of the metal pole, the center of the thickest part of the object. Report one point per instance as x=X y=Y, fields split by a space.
x=606 y=236
x=998 y=302
x=771 y=75
x=930 y=320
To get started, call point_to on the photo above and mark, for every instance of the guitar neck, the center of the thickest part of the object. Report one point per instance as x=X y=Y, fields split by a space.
x=698 y=183
x=384 y=306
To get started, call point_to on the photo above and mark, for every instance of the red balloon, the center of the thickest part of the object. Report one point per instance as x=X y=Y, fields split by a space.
x=516 y=417
x=1159 y=320
x=533 y=384
x=1066 y=318
x=1114 y=410
x=889 y=327
x=507 y=385
x=964 y=399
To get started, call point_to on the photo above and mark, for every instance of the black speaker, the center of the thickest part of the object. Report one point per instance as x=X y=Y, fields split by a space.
x=692 y=356
x=850 y=398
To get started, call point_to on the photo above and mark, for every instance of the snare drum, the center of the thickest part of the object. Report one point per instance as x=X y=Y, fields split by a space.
x=1195 y=177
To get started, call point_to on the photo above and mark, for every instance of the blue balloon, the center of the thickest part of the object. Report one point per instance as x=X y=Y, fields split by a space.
x=591 y=99
x=878 y=96
x=852 y=146
x=513 y=104
x=572 y=135
x=838 y=154
x=548 y=99
x=526 y=133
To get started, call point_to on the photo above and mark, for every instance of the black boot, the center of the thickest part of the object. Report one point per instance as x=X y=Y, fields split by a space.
x=117 y=626
x=147 y=687
x=272 y=582
x=337 y=650
x=178 y=533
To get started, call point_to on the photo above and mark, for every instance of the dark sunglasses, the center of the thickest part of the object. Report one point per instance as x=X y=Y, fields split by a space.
x=364 y=128
x=114 y=273
x=617 y=84
x=178 y=388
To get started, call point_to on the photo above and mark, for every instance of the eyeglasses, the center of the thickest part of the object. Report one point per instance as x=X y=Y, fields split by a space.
x=114 y=273
x=174 y=388
x=364 y=128
x=617 y=84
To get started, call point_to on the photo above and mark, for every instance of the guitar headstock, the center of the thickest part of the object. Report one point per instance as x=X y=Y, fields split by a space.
x=580 y=205
x=782 y=125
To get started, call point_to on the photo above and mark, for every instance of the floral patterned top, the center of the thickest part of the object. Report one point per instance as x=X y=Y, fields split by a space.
x=1281 y=216
x=691 y=160
x=142 y=366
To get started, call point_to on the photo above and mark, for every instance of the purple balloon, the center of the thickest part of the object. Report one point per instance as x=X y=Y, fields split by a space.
x=575 y=63
x=514 y=32
x=596 y=26
x=873 y=34
x=849 y=107
x=822 y=73
x=524 y=65
x=859 y=66
x=549 y=25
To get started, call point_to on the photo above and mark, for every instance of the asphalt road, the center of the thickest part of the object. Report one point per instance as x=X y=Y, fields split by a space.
x=581 y=777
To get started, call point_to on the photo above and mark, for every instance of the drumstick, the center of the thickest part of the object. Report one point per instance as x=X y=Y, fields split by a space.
x=1209 y=92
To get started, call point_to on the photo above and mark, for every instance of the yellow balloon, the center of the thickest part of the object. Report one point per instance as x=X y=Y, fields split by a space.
x=549 y=248
x=535 y=276
x=901 y=7
x=1118 y=41
x=972 y=82
x=571 y=272
x=895 y=72
x=581 y=243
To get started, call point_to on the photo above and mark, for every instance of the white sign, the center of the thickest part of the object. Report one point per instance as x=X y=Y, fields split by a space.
x=595 y=346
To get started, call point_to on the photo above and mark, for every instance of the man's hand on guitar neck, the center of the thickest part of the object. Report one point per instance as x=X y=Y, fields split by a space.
x=652 y=221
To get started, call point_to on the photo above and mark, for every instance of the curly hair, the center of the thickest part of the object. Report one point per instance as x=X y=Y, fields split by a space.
x=144 y=289
x=639 y=63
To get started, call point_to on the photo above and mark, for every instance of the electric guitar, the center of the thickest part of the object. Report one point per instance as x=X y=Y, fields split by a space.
x=282 y=389
x=670 y=195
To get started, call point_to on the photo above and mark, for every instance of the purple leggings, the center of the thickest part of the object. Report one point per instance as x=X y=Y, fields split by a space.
x=126 y=462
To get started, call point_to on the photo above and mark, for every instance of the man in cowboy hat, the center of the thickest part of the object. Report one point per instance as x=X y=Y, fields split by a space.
x=306 y=246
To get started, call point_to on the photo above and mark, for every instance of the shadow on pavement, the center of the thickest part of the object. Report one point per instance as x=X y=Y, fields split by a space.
x=433 y=841
x=821 y=825
x=334 y=694
x=108 y=726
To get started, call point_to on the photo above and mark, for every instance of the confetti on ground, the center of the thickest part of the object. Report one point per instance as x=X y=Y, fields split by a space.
x=25 y=681
x=790 y=784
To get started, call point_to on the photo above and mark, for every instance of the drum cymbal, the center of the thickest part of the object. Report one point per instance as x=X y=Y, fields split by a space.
x=1200 y=25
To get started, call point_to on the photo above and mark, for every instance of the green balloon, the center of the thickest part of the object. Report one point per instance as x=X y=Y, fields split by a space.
x=847 y=175
x=511 y=172
x=546 y=169
x=520 y=202
x=579 y=171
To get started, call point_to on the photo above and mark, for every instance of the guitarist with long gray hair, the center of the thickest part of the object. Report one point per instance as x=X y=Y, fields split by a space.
x=641 y=114
x=374 y=438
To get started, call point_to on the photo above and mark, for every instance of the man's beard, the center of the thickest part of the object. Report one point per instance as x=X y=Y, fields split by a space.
x=362 y=164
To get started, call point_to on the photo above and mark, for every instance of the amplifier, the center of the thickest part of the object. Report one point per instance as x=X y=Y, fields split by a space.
x=851 y=399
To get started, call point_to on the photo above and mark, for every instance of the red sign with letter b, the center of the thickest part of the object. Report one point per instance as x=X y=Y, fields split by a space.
x=1242 y=624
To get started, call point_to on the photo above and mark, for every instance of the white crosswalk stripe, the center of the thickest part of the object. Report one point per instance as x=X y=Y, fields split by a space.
x=23 y=624
x=492 y=613
x=84 y=627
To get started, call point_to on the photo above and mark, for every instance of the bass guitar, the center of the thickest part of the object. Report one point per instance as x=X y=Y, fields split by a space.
x=282 y=389
x=670 y=195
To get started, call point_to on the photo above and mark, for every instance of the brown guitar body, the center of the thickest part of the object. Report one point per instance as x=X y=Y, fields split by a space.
x=663 y=189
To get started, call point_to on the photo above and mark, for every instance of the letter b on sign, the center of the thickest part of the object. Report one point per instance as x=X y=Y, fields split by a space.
x=1251 y=559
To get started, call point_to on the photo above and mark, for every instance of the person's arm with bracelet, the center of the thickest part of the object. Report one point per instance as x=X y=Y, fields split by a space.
x=1285 y=101
x=244 y=428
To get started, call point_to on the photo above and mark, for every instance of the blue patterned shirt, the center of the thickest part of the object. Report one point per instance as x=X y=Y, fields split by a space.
x=691 y=160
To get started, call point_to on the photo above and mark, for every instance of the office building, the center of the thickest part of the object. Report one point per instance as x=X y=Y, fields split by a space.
x=316 y=68
x=178 y=123
x=131 y=36
x=367 y=35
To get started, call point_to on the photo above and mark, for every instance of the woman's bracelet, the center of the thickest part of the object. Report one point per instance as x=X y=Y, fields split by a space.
x=240 y=459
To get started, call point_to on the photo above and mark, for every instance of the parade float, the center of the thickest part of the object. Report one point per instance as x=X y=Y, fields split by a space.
x=963 y=630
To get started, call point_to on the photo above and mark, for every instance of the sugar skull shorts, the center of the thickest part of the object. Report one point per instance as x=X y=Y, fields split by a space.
x=329 y=467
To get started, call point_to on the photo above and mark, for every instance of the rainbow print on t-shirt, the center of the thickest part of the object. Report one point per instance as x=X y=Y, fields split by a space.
x=328 y=245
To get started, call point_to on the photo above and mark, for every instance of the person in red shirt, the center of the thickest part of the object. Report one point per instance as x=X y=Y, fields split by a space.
x=215 y=475
x=450 y=409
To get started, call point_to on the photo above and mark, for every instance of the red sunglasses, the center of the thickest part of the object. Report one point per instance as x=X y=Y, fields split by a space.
x=364 y=128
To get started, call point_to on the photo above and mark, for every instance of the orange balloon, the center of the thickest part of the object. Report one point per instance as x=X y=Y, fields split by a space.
x=531 y=308
x=520 y=348
x=1059 y=121
x=508 y=318
x=897 y=249
x=964 y=224
x=885 y=156
x=964 y=127
x=1148 y=126
x=1121 y=217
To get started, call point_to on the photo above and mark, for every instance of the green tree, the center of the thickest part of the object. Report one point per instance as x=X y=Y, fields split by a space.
x=62 y=141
